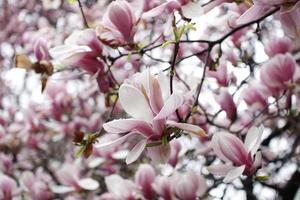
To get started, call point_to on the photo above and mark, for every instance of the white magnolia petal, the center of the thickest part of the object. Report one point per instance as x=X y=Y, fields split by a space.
x=137 y=150
x=220 y=169
x=189 y=128
x=253 y=139
x=134 y=102
x=116 y=142
x=88 y=184
x=65 y=51
x=61 y=189
x=128 y=125
x=192 y=10
x=234 y=173
x=172 y=103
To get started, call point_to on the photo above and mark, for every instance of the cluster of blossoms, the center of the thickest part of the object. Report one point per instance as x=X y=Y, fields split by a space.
x=147 y=99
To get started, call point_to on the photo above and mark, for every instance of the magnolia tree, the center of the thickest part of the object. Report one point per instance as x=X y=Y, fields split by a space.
x=149 y=99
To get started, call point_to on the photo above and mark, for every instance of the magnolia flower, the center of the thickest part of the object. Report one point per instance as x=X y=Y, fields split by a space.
x=255 y=97
x=119 y=188
x=142 y=98
x=163 y=187
x=36 y=185
x=144 y=177
x=278 y=46
x=241 y=159
x=69 y=177
x=8 y=187
x=83 y=49
x=278 y=72
x=189 y=186
x=290 y=22
x=227 y=104
x=118 y=24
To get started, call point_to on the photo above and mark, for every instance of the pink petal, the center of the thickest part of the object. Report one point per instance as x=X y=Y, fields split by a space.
x=116 y=142
x=173 y=102
x=220 y=169
x=128 y=125
x=192 y=10
x=253 y=139
x=252 y=14
x=234 y=173
x=190 y=128
x=159 y=154
x=88 y=184
x=168 y=6
x=155 y=95
x=135 y=153
x=134 y=102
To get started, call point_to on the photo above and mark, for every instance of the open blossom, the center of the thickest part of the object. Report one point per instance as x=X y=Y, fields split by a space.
x=241 y=159
x=83 y=49
x=118 y=24
x=278 y=72
x=142 y=98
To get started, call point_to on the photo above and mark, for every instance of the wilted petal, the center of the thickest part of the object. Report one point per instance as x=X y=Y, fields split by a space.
x=234 y=173
x=128 y=125
x=172 y=103
x=135 y=153
x=134 y=102
x=88 y=184
x=189 y=128
x=253 y=139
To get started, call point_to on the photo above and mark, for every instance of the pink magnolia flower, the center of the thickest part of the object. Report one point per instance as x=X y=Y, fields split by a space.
x=220 y=75
x=144 y=177
x=118 y=24
x=278 y=46
x=36 y=185
x=278 y=72
x=119 y=188
x=240 y=158
x=142 y=98
x=174 y=154
x=227 y=104
x=8 y=187
x=41 y=50
x=69 y=177
x=84 y=50
x=188 y=9
x=163 y=187
x=189 y=186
